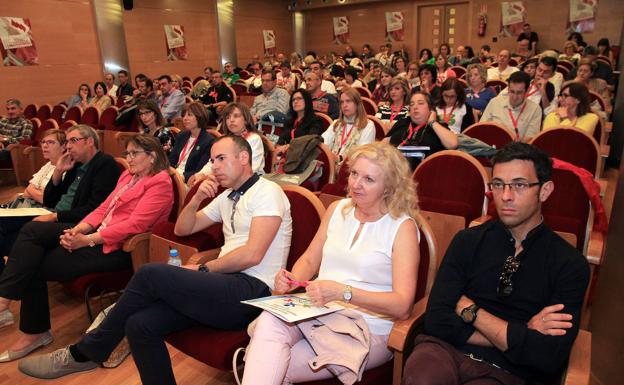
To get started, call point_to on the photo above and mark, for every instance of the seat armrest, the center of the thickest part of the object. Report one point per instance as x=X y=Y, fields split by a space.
x=138 y=247
x=595 y=248
x=203 y=257
x=402 y=328
x=479 y=221
x=579 y=365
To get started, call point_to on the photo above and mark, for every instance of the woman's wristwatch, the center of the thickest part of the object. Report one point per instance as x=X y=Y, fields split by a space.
x=91 y=241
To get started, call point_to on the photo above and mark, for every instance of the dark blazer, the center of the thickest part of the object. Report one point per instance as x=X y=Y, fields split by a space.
x=98 y=182
x=199 y=155
x=313 y=126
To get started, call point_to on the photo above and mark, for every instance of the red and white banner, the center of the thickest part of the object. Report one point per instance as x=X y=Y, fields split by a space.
x=395 y=30
x=582 y=15
x=341 y=30
x=269 y=42
x=176 y=45
x=513 y=17
x=17 y=44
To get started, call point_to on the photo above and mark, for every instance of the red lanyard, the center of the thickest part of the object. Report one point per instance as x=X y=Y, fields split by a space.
x=186 y=149
x=164 y=100
x=450 y=115
x=412 y=131
x=344 y=139
x=514 y=121
x=532 y=90
x=394 y=112
x=295 y=126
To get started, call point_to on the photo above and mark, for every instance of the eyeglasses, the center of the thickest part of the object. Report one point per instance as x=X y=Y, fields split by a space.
x=518 y=187
x=564 y=95
x=48 y=142
x=505 y=284
x=132 y=154
x=75 y=140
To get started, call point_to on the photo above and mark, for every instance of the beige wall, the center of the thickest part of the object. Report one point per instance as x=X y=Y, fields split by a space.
x=367 y=23
x=64 y=35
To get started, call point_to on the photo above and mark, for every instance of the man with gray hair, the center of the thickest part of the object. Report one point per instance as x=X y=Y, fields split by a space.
x=15 y=127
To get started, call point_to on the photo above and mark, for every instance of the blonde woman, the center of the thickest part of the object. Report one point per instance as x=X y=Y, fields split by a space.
x=351 y=128
x=365 y=254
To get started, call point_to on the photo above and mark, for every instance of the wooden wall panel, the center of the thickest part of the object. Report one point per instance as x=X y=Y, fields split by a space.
x=64 y=34
x=251 y=17
x=145 y=36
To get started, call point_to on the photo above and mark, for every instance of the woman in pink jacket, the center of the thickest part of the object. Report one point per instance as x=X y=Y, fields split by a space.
x=64 y=251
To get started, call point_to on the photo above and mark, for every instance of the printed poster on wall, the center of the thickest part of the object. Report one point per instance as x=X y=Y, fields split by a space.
x=17 y=44
x=513 y=17
x=176 y=45
x=269 y=42
x=341 y=30
x=582 y=15
x=395 y=30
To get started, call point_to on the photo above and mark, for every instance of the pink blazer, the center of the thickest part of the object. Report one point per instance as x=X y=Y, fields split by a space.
x=137 y=211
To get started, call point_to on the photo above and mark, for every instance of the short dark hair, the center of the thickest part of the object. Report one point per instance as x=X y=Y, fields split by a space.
x=486 y=47
x=352 y=72
x=199 y=112
x=241 y=143
x=148 y=83
x=102 y=85
x=520 y=77
x=591 y=50
x=271 y=72
x=429 y=67
x=526 y=63
x=549 y=61
x=150 y=105
x=285 y=64
x=316 y=62
x=123 y=72
x=523 y=151
x=165 y=77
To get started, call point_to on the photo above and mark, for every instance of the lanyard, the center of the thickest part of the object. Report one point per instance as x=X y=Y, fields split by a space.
x=344 y=139
x=450 y=115
x=295 y=126
x=186 y=149
x=412 y=131
x=162 y=104
x=394 y=112
x=514 y=121
x=532 y=90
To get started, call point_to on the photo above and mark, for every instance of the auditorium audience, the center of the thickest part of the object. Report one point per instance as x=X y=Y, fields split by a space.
x=101 y=100
x=503 y=70
x=82 y=98
x=543 y=88
x=421 y=128
x=14 y=127
x=229 y=76
x=452 y=109
x=381 y=94
x=153 y=123
x=322 y=101
x=352 y=127
x=367 y=53
x=254 y=82
x=522 y=117
x=574 y=109
x=412 y=74
x=604 y=49
x=326 y=85
x=171 y=101
x=601 y=69
x=217 y=96
x=477 y=94
x=443 y=69
x=570 y=53
x=301 y=120
x=124 y=88
x=109 y=80
x=351 y=77
x=398 y=65
x=191 y=150
x=286 y=79
x=577 y=38
x=428 y=75
x=585 y=75
x=398 y=107
x=272 y=104
x=372 y=270
x=426 y=56
x=349 y=54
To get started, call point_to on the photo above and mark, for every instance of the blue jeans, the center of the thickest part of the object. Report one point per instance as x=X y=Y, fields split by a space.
x=162 y=299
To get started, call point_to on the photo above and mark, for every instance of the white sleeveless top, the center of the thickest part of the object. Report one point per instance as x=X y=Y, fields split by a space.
x=366 y=265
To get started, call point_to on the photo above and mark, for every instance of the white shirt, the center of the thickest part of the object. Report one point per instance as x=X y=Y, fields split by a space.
x=494 y=73
x=113 y=91
x=42 y=177
x=366 y=136
x=455 y=119
x=365 y=264
x=326 y=86
x=186 y=151
x=257 y=156
x=263 y=199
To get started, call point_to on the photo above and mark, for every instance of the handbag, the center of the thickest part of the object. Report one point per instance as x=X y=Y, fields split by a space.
x=121 y=351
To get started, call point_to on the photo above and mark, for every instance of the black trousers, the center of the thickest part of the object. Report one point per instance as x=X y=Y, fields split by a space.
x=162 y=299
x=9 y=229
x=36 y=258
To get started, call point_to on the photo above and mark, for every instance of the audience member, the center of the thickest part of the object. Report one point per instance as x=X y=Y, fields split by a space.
x=604 y=49
x=326 y=86
x=523 y=52
x=428 y=75
x=14 y=127
x=506 y=303
x=191 y=150
x=398 y=107
x=367 y=53
x=574 y=109
x=585 y=75
x=412 y=74
x=352 y=128
x=372 y=74
x=321 y=101
x=349 y=54
x=577 y=38
x=286 y=79
x=351 y=77
x=443 y=69
x=254 y=82
x=570 y=53
x=124 y=88
x=217 y=96
x=485 y=57
x=520 y=116
x=398 y=65
x=153 y=123
x=229 y=76
x=301 y=120
x=421 y=128
x=384 y=56
x=109 y=80
x=381 y=94
x=426 y=56
x=101 y=100
x=602 y=70
x=452 y=108
x=82 y=98
x=477 y=94
x=296 y=61
x=445 y=49
x=531 y=36
x=529 y=67
x=272 y=104
x=373 y=272
x=542 y=89
x=171 y=101
x=503 y=70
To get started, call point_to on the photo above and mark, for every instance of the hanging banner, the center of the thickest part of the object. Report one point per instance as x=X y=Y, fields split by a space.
x=269 y=42
x=582 y=15
x=395 y=30
x=17 y=45
x=341 y=30
x=513 y=17
x=176 y=45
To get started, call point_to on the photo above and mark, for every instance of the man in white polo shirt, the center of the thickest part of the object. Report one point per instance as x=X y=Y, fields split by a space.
x=161 y=299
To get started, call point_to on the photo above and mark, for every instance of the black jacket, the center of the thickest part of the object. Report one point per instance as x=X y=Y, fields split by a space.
x=98 y=182
x=199 y=154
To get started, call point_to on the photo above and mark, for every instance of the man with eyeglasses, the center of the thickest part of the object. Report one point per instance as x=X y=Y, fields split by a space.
x=506 y=303
x=257 y=228
x=229 y=76
x=272 y=105
x=171 y=101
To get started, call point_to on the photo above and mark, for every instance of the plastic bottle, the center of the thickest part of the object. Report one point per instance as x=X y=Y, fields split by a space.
x=174 y=258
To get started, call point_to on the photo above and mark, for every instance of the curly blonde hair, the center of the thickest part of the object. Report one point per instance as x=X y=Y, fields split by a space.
x=400 y=188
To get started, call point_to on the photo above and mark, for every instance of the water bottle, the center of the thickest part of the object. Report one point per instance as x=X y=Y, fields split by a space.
x=174 y=258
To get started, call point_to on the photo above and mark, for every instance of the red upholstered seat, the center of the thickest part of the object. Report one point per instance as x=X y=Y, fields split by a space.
x=497 y=85
x=339 y=187
x=57 y=113
x=30 y=111
x=452 y=182
x=380 y=131
x=73 y=113
x=91 y=117
x=571 y=145
x=327 y=121
x=44 y=112
x=364 y=92
x=328 y=167
x=369 y=106
x=490 y=133
x=107 y=118
x=239 y=88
